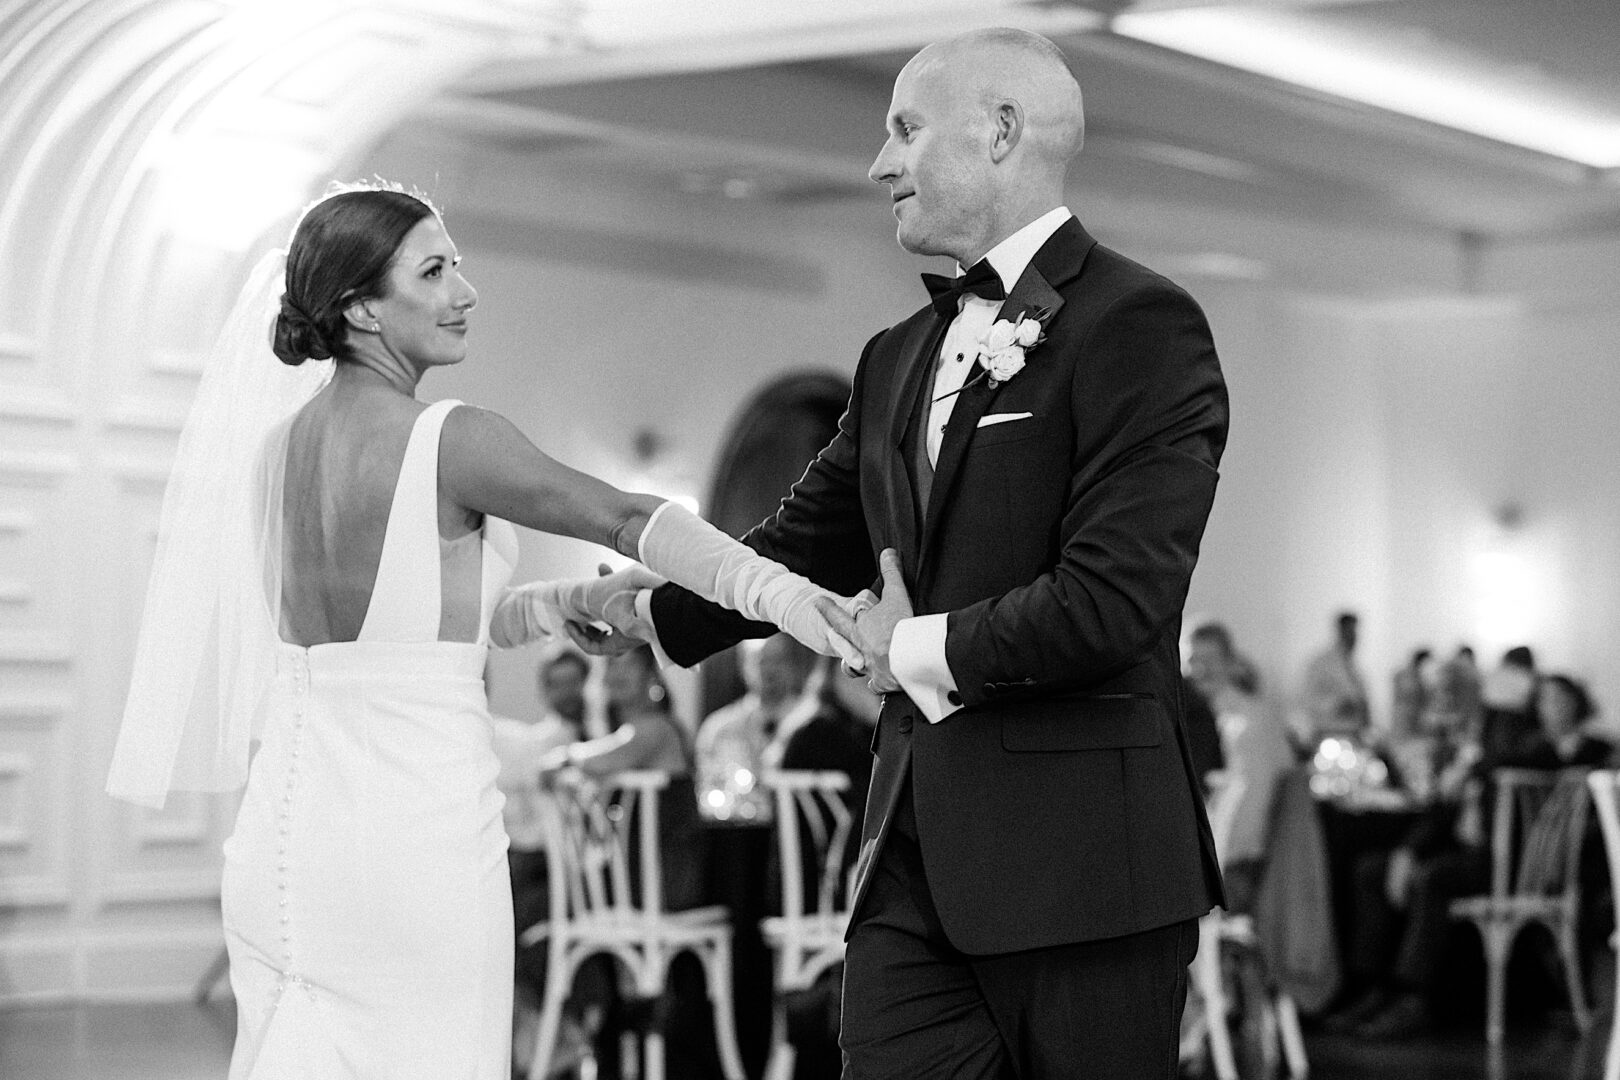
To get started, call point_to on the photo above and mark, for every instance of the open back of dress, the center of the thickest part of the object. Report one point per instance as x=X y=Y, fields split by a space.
x=366 y=899
x=423 y=587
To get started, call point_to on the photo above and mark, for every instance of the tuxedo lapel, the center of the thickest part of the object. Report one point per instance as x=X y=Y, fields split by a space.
x=915 y=362
x=1034 y=296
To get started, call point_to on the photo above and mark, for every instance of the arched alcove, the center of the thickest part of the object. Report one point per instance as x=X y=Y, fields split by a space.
x=764 y=452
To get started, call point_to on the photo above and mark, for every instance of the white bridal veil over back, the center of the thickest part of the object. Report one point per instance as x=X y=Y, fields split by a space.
x=207 y=647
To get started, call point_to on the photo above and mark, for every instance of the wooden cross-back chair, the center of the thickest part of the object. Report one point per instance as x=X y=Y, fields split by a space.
x=1605 y=786
x=1538 y=826
x=813 y=827
x=603 y=900
x=1220 y=931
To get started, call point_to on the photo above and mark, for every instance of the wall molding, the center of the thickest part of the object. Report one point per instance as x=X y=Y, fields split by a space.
x=34 y=465
x=33 y=891
x=37 y=404
x=34 y=648
x=129 y=888
x=17 y=349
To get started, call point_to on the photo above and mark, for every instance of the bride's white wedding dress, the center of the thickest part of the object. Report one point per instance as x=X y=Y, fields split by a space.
x=366 y=899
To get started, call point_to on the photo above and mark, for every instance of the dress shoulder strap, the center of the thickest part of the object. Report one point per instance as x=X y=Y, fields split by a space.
x=405 y=598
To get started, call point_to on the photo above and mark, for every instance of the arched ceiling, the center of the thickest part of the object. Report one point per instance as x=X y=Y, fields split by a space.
x=150 y=144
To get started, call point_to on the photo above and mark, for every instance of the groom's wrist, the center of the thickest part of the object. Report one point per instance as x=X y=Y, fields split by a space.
x=644 y=617
x=917 y=659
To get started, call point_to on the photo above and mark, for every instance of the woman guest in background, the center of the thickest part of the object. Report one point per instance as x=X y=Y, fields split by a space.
x=329 y=573
x=645 y=736
x=1255 y=748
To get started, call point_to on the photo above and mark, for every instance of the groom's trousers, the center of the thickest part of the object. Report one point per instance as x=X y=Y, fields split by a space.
x=918 y=1009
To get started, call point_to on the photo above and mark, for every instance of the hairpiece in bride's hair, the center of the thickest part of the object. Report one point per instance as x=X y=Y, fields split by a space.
x=376 y=183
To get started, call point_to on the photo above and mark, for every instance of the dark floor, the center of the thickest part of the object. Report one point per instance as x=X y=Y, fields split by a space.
x=1542 y=1054
x=184 y=1042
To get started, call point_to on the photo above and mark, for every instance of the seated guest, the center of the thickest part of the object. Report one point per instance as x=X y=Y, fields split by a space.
x=645 y=736
x=1410 y=701
x=1335 y=695
x=1254 y=745
x=1203 y=733
x=1507 y=699
x=1454 y=704
x=738 y=742
x=522 y=746
x=1403 y=898
x=1447 y=726
x=838 y=738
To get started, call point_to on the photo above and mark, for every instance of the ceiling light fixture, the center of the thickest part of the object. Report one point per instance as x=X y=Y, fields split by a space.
x=1446 y=90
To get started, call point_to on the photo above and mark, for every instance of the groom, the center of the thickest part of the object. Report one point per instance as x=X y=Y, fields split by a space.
x=1039 y=445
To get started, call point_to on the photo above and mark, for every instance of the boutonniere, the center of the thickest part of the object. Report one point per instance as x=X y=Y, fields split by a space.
x=1002 y=349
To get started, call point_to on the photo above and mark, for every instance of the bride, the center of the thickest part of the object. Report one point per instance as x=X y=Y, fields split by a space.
x=331 y=569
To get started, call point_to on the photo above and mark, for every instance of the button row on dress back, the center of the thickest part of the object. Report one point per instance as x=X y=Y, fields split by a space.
x=284 y=825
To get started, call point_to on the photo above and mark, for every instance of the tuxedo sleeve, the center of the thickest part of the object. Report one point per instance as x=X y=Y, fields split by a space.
x=1133 y=516
x=819 y=531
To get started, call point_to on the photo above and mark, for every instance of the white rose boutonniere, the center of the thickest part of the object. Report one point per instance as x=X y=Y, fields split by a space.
x=1002 y=348
x=1003 y=365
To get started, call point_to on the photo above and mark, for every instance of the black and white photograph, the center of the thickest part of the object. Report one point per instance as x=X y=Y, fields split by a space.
x=751 y=540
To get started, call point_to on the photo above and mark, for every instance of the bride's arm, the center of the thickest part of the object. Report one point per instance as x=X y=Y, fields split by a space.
x=486 y=464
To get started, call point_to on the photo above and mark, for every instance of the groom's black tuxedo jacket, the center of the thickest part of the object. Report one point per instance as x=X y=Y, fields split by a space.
x=1060 y=804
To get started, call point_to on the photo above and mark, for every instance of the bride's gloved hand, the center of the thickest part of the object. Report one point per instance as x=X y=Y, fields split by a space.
x=693 y=553
x=542 y=609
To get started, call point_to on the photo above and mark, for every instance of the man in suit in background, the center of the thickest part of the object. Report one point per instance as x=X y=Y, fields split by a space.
x=1035 y=854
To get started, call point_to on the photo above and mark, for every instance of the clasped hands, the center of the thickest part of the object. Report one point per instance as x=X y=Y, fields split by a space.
x=599 y=616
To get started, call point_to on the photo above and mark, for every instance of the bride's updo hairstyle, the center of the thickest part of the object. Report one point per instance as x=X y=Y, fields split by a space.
x=340 y=254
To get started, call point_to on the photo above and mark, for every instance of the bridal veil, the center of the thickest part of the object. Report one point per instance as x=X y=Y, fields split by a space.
x=206 y=652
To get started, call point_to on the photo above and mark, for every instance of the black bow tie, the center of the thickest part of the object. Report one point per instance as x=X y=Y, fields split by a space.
x=981 y=280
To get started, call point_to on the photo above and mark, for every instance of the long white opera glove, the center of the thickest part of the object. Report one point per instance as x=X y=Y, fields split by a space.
x=538 y=609
x=691 y=552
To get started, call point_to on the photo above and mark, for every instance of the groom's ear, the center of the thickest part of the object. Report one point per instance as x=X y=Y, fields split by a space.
x=1006 y=128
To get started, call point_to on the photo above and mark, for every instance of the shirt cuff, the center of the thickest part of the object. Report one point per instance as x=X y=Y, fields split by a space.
x=644 y=614
x=917 y=658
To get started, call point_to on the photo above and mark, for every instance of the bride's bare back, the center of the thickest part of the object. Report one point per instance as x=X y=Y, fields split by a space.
x=344 y=454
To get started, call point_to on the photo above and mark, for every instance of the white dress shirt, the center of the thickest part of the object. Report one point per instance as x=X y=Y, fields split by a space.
x=917 y=651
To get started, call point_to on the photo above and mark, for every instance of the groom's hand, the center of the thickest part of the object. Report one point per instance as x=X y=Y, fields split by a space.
x=873 y=628
x=612 y=601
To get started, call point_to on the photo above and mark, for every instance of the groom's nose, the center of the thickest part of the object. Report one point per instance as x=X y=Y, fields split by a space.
x=884 y=168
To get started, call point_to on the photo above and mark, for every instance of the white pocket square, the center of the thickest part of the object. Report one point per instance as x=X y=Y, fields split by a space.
x=1002 y=417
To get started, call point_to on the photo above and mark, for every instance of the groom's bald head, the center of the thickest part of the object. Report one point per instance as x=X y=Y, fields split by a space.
x=1002 y=64
x=982 y=128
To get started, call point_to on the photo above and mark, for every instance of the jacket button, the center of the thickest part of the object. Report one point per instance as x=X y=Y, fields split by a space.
x=905 y=724
x=953 y=697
